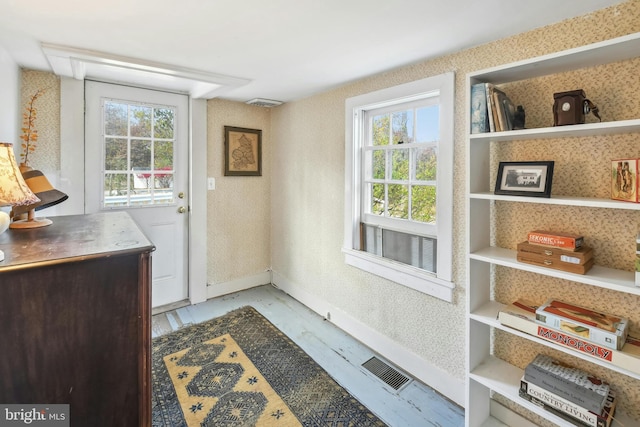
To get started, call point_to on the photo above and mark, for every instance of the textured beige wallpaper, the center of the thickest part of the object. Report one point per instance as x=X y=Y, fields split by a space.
x=308 y=173
x=238 y=223
x=47 y=155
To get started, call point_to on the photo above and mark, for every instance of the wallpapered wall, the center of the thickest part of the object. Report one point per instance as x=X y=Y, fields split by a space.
x=47 y=155
x=307 y=209
x=239 y=217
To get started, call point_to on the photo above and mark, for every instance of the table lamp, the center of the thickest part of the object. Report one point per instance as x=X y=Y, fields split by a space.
x=49 y=196
x=14 y=191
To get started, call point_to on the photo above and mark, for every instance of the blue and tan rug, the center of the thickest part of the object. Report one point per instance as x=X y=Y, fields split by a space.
x=239 y=370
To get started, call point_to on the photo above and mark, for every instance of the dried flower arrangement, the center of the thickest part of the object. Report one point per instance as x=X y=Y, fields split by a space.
x=29 y=133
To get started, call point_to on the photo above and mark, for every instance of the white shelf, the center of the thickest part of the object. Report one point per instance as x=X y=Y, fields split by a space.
x=488 y=315
x=603 y=277
x=504 y=378
x=572 y=131
x=560 y=200
x=487 y=373
x=605 y=52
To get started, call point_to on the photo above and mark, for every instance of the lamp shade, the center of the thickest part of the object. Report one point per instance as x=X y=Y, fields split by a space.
x=14 y=191
x=40 y=185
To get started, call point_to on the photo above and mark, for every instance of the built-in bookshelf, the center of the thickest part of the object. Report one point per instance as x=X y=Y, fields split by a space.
x=488 y=374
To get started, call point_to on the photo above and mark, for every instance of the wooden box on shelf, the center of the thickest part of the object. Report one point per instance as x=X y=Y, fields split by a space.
x=578 y=261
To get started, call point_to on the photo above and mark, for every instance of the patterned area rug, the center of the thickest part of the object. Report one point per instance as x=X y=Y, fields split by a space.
x=240 y=370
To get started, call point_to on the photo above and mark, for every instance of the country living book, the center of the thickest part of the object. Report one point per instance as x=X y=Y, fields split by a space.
x=573 y=384
x=561 y=406
x=608 y=330
x=479 y=112
x=555 y=239
x=521 y=315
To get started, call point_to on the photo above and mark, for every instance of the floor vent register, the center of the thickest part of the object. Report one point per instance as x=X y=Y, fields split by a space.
x=389 y=375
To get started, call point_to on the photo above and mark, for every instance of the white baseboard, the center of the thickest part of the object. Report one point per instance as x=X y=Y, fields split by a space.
x=225 y=288
x=449 y=386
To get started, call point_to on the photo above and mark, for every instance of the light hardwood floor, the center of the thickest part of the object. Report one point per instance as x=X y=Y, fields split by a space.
x=414 y=405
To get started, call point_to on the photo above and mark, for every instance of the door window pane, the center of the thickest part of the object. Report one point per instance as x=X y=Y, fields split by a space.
x=163 y=155
x=163 y=119
x=140 y=154
x=139 y=162
x=140 y=120
x=115 y=154
x=115 y=118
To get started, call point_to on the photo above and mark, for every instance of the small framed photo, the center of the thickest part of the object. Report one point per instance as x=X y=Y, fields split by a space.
x=242 y=151
x=532 y=179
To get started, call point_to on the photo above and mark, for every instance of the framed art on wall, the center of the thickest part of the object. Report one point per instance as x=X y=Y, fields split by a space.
x=242 y=151
x=532 y=179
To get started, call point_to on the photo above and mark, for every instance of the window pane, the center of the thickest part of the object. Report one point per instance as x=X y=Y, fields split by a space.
x=378 y=167
x=380 y=130
x=428 y=126
x=140 y=120
x=115 y=189
x=163 y=119
x=115 y=154
x=377 y=199
x=398 y=197
x=426 y=164
x=407 y=248
x=163 y=155
x=423 y=203
x=115 y=119
x=402 y=122
x=141 y=196
x=400 y=165
x=371 y=239
x=140 y=154
x=163 y=181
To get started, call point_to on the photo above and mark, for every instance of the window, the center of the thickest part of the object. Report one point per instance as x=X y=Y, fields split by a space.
x=399 y=181
x=138 y=157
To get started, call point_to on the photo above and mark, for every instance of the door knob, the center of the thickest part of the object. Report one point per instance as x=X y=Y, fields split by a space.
x=182 y=209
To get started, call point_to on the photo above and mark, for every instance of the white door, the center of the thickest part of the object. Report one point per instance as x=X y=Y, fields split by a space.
x=136 y=159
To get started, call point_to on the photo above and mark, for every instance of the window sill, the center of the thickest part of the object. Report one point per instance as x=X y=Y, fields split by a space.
x=402 y=274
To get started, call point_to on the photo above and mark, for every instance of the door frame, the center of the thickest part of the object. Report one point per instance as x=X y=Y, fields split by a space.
x=72 y=175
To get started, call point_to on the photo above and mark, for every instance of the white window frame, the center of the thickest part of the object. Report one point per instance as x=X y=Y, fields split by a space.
x=437 y=284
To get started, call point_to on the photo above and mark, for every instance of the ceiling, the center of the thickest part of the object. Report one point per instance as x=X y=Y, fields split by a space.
x=244 y=49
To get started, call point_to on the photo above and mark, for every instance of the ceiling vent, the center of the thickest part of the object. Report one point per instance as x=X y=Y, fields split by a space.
x=261 y=102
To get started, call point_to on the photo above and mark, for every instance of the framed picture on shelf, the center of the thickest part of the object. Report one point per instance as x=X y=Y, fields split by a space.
x=242 y=151
x=532 y=179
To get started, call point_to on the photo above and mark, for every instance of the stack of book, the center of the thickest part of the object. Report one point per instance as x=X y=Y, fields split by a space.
x=559 y=251
x=569 y=392
x=521 y=315
x=604 y=329
x=491 y=109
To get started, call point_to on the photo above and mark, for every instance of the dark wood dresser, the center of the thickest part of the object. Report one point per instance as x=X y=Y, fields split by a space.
x=75 y=316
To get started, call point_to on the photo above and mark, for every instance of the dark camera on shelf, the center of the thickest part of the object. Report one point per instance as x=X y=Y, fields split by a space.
x=570 y=108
